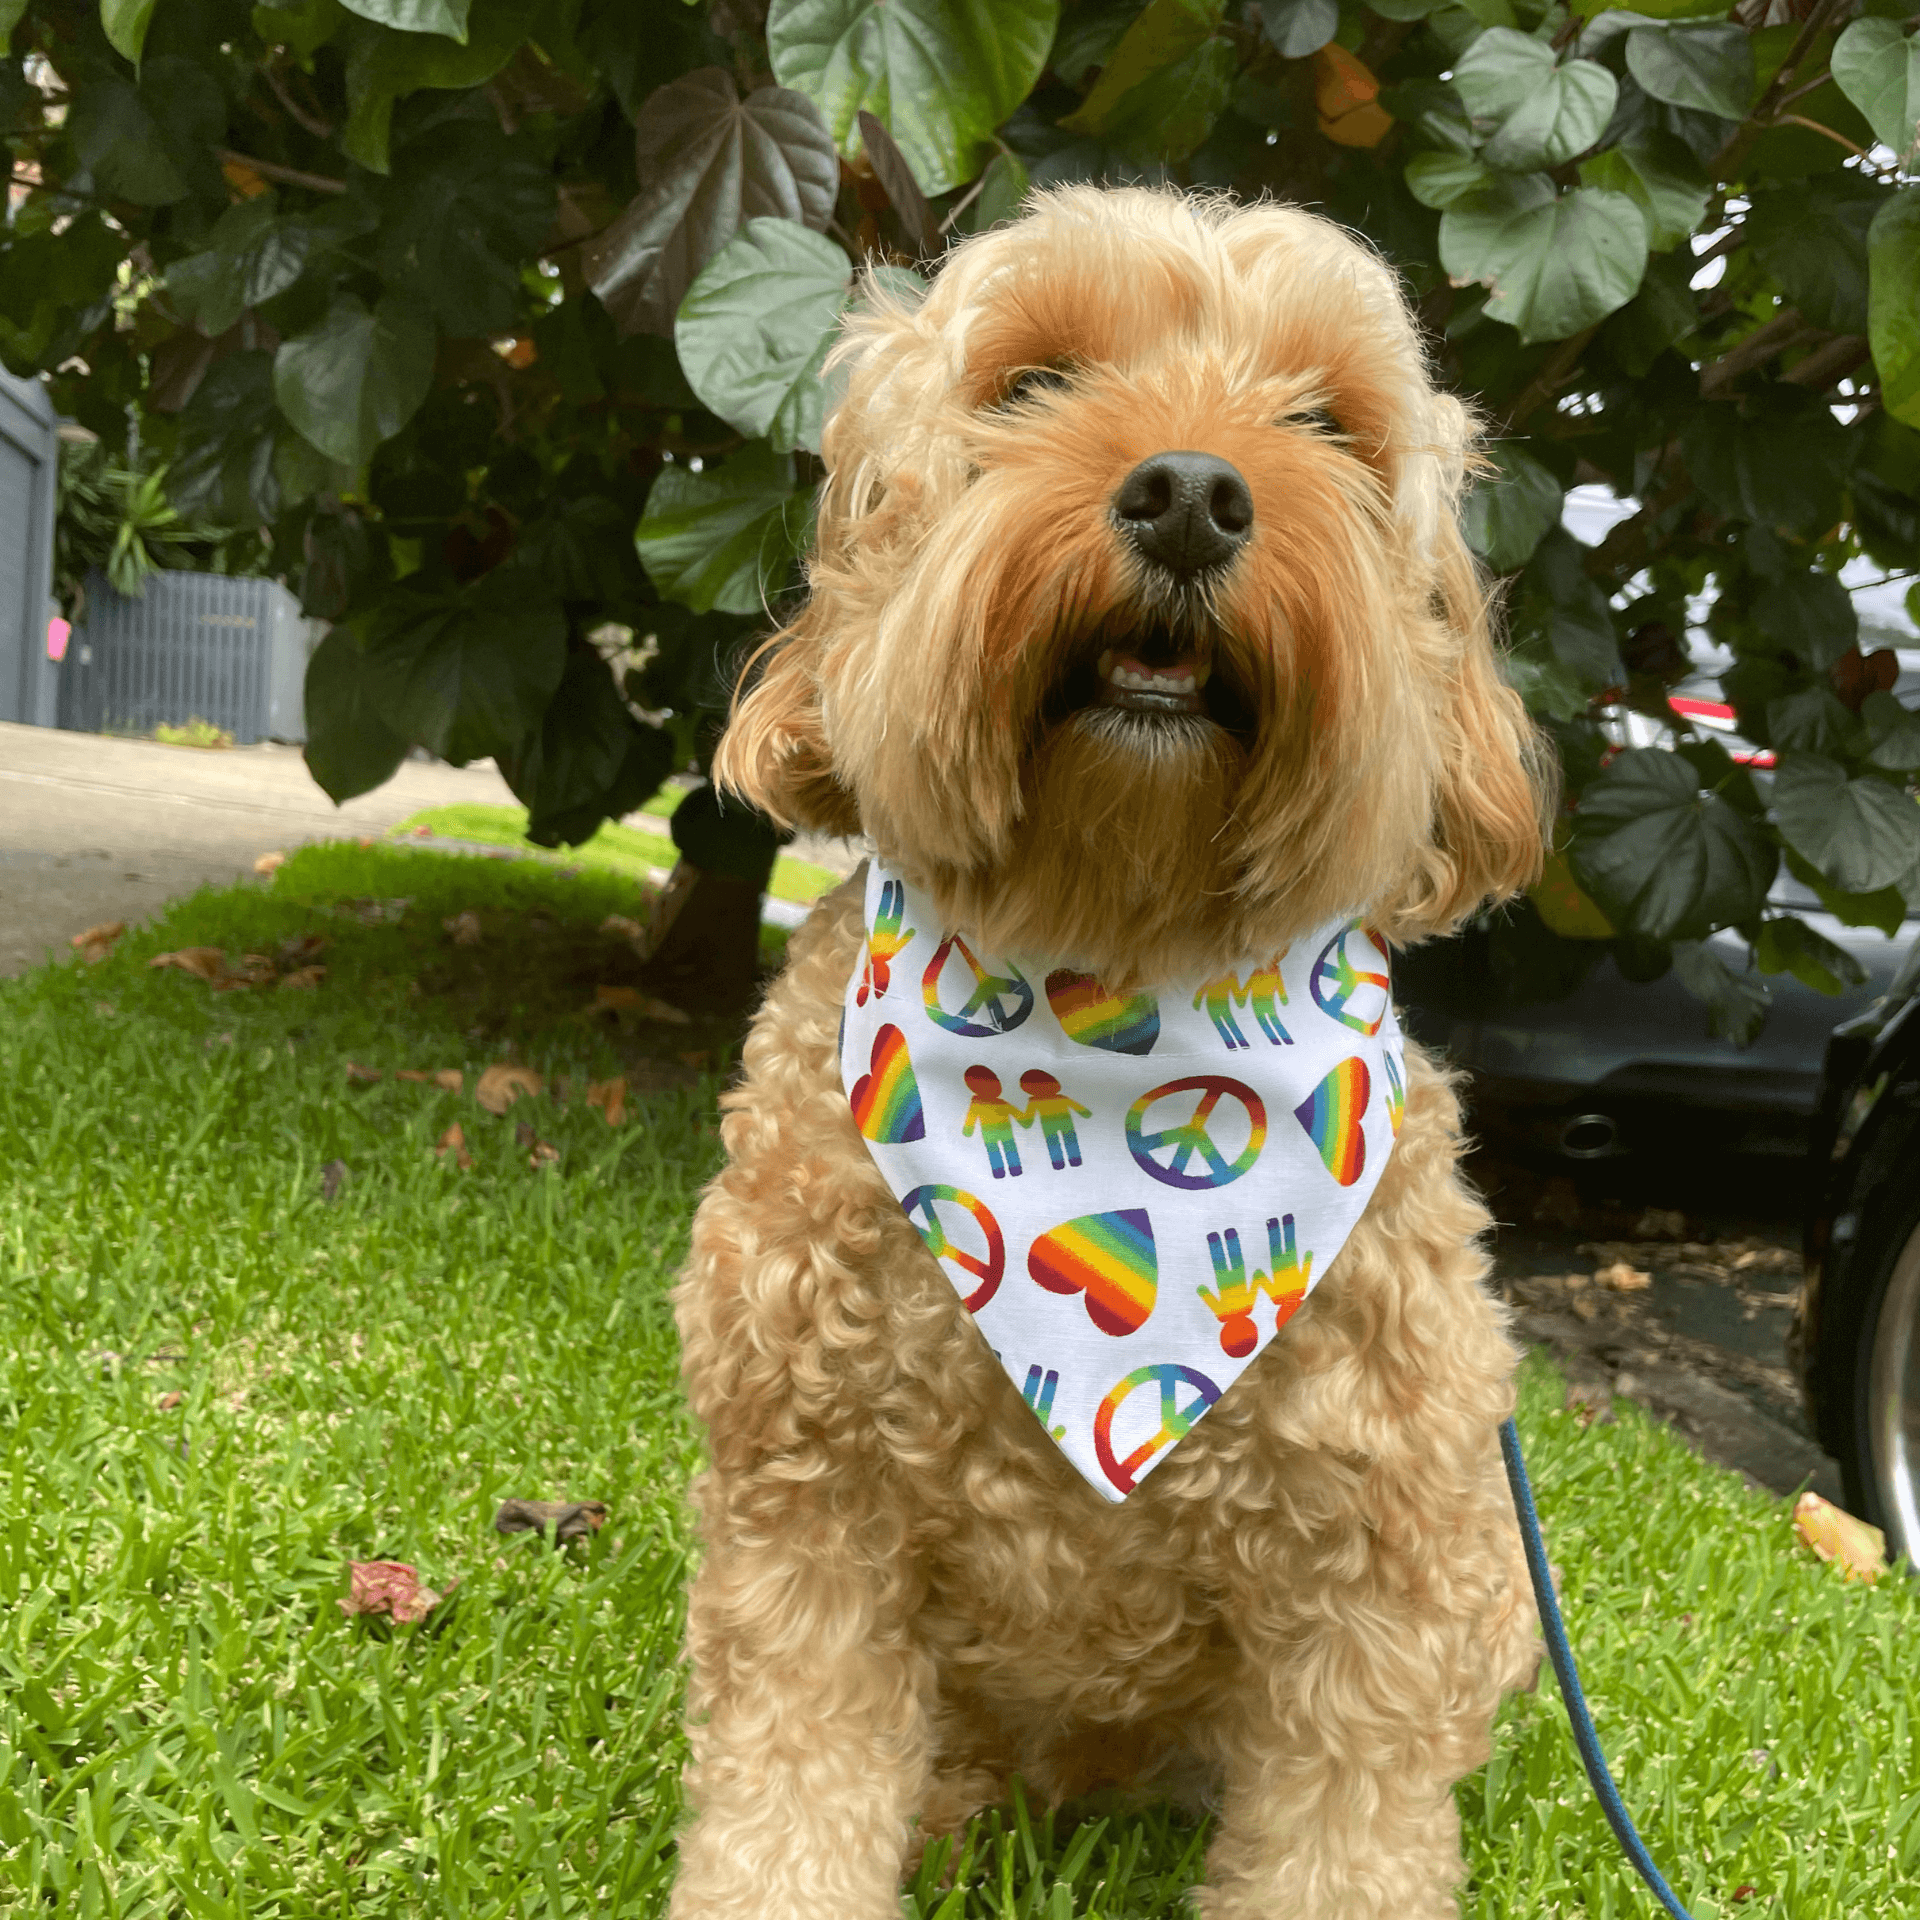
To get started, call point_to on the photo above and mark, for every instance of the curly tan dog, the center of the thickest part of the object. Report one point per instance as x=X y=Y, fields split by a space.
x=1141 y=634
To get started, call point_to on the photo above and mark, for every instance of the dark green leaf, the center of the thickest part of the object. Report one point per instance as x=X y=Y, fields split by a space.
x=1438 y=178
x=588 y=760
x=470 y=676
x=1862 y=834
x=384 y=66
x=448 y=17
x=303 y=28
x=1173 y=109
x=1811 y=720
x=723 y=538
x=1509 y=511
x=1894 y=730
x=464 y=209
x=1811 y=615
x=756 y=325
x=1789 y=945
x=1893 y=303
x=1660 y=176
x=1660 y=857
x=350 y=748
x=1877 y=64
x=1003 y=187
x=1883 y=908
x=1779 y=458
x=1706 y=68
x=1556 y=263
x=1811 y=235
x=356 y=378
x=1736 y=1003
x=1530 y=110
x=1557 y=590
x=125 y=25
x=255 y=253
x=120 y=144
x=939 y=76
x=708 y=161
x=1297 y=28
x=1431 y=111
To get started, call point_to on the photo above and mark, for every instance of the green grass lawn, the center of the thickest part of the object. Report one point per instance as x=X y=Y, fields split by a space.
x=218 y=1387
x=616 y=848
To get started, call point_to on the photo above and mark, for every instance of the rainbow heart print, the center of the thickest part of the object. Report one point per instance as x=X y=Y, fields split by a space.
x=1131 y=1192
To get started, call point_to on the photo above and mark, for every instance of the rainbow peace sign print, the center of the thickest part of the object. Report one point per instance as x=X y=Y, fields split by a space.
x=995 y=1002
x=1179 y=1396
x=1165 y=1152
x=933 y=1209
x=1352 y=979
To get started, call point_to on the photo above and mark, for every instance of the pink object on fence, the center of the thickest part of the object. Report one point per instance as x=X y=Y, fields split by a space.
x=58 y=634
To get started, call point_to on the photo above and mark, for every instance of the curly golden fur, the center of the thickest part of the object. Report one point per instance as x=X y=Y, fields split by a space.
x=1307 y=1615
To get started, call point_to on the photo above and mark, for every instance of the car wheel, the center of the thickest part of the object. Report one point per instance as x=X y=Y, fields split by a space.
x=1883 y=1477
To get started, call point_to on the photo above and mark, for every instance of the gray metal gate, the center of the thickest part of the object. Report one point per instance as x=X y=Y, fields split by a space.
x=29 y=470
x=195 y=646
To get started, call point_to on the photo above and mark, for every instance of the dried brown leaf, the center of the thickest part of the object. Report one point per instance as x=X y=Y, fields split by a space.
x=544 y=1154
x=364 y=1076
x=1835 y=1535
x=610 y=1096
x=204 y=963
x=451 y=1078
x=270 y=862
x=390 y=1587
x=96 y=943
x=1622 y=1278
x=331 y=1177
x=501 y=1085
x=1660 y=1223
x=168 y=1401
x=566 y=1520
x=643 y=1006
x=303 y=977
x=464 y=927
x=454 y=1141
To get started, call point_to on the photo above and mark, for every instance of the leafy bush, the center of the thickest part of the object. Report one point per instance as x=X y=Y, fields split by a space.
x=507 y=321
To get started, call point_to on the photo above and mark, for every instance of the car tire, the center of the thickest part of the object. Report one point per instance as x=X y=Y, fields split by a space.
x=1880 y=1441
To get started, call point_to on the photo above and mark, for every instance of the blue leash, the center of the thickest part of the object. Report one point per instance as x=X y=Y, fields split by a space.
x=1555 y=1630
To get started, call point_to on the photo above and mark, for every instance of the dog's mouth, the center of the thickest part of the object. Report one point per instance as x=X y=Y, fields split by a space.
x=1155 y=673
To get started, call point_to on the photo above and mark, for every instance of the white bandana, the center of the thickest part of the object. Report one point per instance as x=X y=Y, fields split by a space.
x=1131 y=1192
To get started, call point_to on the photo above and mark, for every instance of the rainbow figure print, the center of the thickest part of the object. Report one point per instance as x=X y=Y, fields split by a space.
x=1331 y=1114
x=1038 y=1394
x=996 y=1118
x=1396 y=1091
x=1054 y=1110
x=886 y=1099
x=1265 y=993
x=1110 y=1258
x=884 y=941
x=1090 y=1016
x=1285 y=1283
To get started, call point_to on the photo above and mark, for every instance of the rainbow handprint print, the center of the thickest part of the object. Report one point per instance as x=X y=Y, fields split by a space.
x=1284 y=1283
x=884 y=941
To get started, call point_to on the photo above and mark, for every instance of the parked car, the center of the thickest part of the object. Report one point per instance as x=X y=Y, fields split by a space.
x=1608 y=1066
x=1858 y=1336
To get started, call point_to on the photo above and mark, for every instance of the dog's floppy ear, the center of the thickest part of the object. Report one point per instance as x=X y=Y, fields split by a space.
x=774 y=752
x=1495 y=792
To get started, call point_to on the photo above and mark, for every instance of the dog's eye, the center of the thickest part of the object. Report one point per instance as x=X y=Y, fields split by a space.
x=1314 y=419
x=1030 y=383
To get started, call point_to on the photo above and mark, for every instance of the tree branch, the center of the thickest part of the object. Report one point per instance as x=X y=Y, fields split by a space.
x=1825 y=366
x=1553 y=375
x=1785 y=329
x=273 y=170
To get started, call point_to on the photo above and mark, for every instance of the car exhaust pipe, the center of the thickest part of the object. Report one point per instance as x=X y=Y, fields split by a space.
x=1590 y=1136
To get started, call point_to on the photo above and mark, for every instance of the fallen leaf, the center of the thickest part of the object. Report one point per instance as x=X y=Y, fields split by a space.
x=501 y=1085
x=642 y=1006
x=610 y=1096
x=364 y=1076
x=422 y=832
x=1836 y=1535
x=1558 y=1205
x=449 y=1077
x=299 y=950
x=454 y=1142
x=1347 y=95
x=1661 y=1223
x=205 y=963
x=523 y=1134
x=544 y=1154
x=565 y=1521
x=270 y=863
x=96 y=943
x=168 y=1401
x=622 y=928
x=390 y=1587
x=331 y=1177
x=464 y=927
x=1622 y=1278
x=303 y=977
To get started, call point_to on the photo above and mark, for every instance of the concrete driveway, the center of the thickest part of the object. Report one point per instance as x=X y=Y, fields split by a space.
x=94 y=828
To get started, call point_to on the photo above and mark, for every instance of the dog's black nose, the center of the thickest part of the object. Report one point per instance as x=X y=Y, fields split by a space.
x=1185 y=511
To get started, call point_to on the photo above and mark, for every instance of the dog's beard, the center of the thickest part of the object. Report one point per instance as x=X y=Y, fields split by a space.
x=1121 y=860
